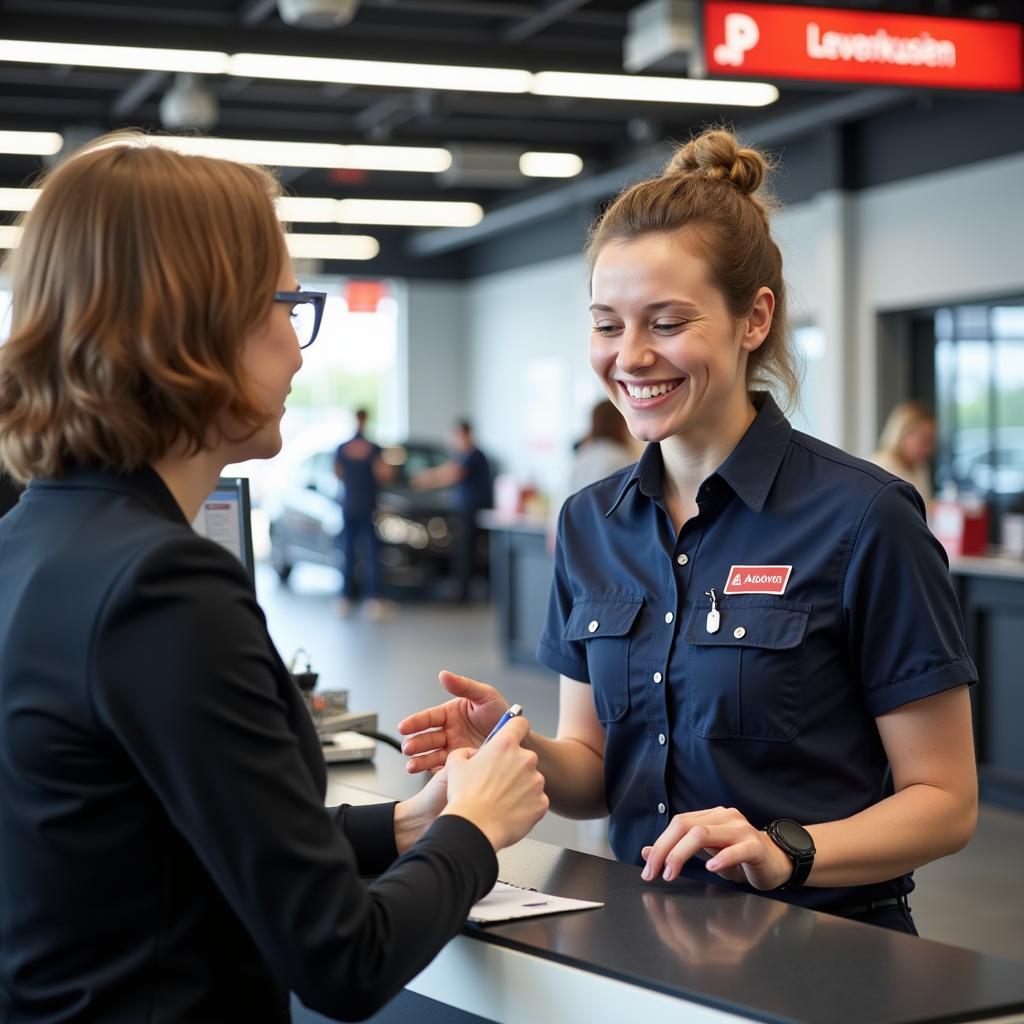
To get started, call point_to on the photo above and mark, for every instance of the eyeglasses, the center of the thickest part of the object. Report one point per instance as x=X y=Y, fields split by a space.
x=307 y=313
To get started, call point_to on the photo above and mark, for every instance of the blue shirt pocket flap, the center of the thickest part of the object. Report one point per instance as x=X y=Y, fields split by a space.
x=593 y=618
x=750 y=625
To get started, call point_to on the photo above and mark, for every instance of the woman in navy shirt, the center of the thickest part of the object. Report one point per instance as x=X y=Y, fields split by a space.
x=763 y=671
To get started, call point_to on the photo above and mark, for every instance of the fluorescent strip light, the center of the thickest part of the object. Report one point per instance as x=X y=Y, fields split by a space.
x=373 y=72
x=304 y=210
x=9 y=236
x=17 y=200
x=332 y=247
x=131 y=58
x=650 y=89
x=31 y=143
x=409 y=212
x=550 y=165
x=424 y=159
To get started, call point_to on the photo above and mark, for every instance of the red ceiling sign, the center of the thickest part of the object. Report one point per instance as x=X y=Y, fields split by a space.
x=825 y=44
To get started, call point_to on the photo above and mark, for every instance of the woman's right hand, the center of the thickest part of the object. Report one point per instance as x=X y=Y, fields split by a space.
x=464 y=721
x=498 y=787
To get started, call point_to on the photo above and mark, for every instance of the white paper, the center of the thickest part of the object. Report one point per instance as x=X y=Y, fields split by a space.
x=506 y=902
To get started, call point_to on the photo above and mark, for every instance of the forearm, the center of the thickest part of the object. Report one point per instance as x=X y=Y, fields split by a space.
x=913 y=827
x=573 y=776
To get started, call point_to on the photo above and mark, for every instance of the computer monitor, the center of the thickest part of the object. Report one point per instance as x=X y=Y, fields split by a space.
x=226 y=517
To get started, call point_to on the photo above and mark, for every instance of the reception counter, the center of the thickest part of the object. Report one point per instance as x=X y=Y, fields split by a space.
x=682 y=951
x=991 y=592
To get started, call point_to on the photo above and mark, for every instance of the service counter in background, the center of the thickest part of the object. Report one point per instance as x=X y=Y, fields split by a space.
x=991 y=591
x=684 y=951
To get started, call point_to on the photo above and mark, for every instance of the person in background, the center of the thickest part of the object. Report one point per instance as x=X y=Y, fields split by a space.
x=764 y=677
x=906 y=445
x=469 y=472
x=361 y=470
x=165 y=851
x=607 y=448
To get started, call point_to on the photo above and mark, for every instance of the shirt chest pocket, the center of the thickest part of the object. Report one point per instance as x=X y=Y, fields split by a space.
x=605 y=626
x=745 y=681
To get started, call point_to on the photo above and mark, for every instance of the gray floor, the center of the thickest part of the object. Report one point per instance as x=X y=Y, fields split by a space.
x=974 y=899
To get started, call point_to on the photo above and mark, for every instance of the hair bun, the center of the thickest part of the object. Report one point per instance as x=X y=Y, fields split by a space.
x=718 y=155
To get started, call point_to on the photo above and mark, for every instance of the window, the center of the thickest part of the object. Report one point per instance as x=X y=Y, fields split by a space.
x=979 y=391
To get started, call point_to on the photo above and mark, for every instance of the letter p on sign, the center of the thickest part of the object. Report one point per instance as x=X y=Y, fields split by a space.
x=741 y=34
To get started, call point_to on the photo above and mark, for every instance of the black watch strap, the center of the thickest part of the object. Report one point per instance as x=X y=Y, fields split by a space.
x=796 y=842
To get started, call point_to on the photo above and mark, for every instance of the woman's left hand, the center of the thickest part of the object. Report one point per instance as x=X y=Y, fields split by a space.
x=415 y=815
x=736 y=850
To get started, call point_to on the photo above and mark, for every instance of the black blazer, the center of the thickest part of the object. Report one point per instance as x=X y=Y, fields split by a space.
x=165 y=855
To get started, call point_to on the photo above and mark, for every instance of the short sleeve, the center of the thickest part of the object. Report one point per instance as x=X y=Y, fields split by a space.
x=567 y=657
x=905 y=631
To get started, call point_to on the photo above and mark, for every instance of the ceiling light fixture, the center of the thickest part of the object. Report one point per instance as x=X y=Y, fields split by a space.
x=9 y=236
x=332 y=247
x=310 y=154
x=30 y=143
x=130 y=58
x=392 y=74
x=652 y=89
x=17 y=200
x=550 y=165
x=374 y=72
x=413 y=213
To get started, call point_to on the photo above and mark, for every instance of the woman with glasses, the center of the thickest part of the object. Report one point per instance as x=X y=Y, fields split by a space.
x=165 y=854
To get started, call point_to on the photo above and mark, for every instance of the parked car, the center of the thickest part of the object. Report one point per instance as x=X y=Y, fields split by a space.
x=417 y=529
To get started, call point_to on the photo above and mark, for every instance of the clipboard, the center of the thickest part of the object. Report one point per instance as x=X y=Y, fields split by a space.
x=508 y=902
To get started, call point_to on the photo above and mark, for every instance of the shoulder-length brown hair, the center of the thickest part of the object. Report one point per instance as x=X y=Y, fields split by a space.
x=138 y=276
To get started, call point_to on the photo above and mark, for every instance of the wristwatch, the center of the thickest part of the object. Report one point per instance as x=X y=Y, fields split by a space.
x=795 y=841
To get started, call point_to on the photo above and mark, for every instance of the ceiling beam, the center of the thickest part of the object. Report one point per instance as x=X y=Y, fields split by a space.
x=771 y=132
x=550 y=12
x=136 y=94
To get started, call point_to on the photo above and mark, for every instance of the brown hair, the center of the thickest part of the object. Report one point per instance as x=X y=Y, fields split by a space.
x=711 y=189
x=606 y=421
x=139 y=274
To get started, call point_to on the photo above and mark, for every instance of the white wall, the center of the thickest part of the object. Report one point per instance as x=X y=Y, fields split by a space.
x=848 y=257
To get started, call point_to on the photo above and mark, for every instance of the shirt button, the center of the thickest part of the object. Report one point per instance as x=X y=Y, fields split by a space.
x=661 y=738
x=593 y=626
x=669 y=616
x=657 y=677
x=739 y=632
x=662 y=808
x=683 y=559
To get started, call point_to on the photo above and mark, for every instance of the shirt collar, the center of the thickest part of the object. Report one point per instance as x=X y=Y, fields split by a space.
x=750 y=468
x=144 y=483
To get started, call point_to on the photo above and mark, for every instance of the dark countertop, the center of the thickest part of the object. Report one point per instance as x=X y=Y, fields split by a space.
x=739 y=953
x=747 y=954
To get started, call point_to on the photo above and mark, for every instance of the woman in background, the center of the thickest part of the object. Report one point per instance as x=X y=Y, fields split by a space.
x=906 y=445
x=165 y=854
x=608 y=447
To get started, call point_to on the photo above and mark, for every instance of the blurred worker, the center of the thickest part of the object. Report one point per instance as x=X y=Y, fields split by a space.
x=470 y=473
x=607 y=448
x=360 y=468
x=906 y=445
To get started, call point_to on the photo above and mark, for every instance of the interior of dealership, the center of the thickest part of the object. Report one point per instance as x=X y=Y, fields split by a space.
x=443 y=163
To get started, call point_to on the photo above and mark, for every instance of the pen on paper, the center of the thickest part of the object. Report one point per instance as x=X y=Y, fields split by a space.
x=541 y=903
x=513 y=712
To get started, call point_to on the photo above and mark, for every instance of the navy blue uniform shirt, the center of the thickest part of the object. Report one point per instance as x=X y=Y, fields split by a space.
x=773 y=713
x=473 y=491
x=356 y=459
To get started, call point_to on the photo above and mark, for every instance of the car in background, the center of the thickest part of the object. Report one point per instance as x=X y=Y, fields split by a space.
x=417 y=529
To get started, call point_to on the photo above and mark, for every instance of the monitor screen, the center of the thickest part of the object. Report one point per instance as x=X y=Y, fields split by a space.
x=225 y=517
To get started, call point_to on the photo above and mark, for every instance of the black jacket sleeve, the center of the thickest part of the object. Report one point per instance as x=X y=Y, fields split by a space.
x=185 y=679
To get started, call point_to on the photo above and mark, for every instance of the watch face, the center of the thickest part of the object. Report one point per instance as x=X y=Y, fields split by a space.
x=793 y=834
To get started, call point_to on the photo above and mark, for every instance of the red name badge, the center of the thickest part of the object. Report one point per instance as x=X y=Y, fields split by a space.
x=758 y=579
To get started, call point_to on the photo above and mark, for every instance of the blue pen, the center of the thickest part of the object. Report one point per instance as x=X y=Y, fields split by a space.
x=513 y=712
